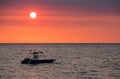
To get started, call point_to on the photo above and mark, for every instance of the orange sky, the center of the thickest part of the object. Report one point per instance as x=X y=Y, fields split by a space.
x=59 y=24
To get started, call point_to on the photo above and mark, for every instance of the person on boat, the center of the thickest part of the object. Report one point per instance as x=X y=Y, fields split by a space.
x=35 y=55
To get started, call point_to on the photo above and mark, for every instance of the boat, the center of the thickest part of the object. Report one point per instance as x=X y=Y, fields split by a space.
x=36 y=61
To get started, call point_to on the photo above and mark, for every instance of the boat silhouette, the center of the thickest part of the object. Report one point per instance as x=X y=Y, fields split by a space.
x=36 y=61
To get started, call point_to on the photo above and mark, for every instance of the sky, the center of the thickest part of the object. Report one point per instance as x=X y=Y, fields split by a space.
x=60 y=21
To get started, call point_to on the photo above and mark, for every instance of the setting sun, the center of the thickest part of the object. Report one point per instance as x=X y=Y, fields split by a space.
x=33 y=15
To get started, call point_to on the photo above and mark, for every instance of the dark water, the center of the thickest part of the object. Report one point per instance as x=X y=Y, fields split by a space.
x=73 y=61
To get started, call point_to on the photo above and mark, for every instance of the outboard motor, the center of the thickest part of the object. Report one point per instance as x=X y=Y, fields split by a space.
x=25 y=61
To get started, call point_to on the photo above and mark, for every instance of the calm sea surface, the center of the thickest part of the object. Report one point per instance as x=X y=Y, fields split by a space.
x=73 y=61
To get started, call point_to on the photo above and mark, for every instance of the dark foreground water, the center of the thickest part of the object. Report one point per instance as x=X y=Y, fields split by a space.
x=73 y=61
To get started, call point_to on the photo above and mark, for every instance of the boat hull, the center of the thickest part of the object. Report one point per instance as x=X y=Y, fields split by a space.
x=30 y=61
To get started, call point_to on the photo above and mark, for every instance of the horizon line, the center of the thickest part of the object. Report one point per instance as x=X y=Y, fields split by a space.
x=67 y=43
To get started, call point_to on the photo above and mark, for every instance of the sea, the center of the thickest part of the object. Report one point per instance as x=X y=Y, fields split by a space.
x=73 y=61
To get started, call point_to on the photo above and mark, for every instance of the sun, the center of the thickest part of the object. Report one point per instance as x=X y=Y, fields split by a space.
x=33 y=15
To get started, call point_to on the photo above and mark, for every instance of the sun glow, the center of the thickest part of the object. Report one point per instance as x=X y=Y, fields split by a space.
x=33 y=15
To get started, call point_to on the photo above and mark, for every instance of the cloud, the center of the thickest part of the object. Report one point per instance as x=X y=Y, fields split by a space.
x=110 y=6
x=90 y=3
